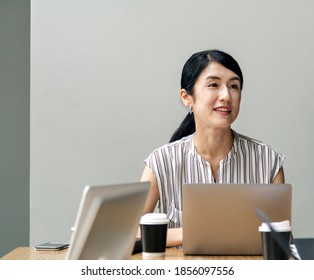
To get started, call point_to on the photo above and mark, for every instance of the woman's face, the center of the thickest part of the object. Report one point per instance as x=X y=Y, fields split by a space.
x=216 y=98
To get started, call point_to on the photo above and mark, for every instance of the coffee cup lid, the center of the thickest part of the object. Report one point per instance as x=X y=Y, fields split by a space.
x=154 y=218
x=277 y=226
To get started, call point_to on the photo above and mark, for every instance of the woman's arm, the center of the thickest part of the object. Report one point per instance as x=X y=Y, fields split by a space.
x=153 y=193
x=174 y=235
x=280 y=177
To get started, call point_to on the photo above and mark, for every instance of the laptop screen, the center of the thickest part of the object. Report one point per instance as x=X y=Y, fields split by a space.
x=220 y=219
x=107 y=221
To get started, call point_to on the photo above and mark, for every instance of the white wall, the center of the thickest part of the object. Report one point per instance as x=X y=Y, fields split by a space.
x=105 y=79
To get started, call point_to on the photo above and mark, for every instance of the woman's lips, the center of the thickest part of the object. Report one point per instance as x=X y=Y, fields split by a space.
x=224 y=110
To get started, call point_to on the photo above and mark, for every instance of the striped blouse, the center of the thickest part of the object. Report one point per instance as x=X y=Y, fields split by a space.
x=178 y=163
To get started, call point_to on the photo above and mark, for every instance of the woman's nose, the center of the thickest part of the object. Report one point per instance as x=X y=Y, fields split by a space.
x=224 y=94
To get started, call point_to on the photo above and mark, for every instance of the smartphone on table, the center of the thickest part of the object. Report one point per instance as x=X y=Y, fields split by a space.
x=54 y=246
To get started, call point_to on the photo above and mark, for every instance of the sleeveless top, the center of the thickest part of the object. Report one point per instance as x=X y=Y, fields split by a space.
x=175 y=164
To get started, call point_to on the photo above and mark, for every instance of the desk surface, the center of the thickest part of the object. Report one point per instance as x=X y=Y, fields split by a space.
x=29 y=253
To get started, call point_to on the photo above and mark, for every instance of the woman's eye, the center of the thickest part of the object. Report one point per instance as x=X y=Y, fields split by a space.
x=213 y=85
x=234 y=86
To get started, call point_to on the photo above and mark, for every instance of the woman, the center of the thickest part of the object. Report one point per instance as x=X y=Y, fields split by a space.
x=205 y=149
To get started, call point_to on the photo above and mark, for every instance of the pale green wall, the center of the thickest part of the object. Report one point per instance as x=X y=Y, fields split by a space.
x=14 y=123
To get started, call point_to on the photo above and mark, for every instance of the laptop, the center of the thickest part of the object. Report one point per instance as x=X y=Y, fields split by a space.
x=107 y=221
x=304 y=248
x=220 y=219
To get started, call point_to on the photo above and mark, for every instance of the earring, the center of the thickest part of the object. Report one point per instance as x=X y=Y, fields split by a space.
x=190 y=110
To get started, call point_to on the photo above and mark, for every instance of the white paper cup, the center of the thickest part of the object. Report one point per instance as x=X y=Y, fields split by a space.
x=154 y=228
x=271 y=249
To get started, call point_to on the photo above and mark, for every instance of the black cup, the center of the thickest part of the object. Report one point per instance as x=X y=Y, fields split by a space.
x=271 y=248
x=154 y=228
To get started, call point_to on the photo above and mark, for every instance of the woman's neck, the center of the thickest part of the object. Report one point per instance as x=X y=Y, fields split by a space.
x=213 y=144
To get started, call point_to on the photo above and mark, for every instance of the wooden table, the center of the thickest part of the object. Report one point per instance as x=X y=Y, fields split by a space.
x=29 y=253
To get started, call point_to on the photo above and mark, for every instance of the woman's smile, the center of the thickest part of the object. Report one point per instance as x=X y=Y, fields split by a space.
x=223 y=110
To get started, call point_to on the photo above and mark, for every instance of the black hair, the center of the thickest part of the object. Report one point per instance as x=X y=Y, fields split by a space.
x=191 y=71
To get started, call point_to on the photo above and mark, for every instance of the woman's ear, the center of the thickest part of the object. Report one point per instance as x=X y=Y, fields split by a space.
x=186 y=98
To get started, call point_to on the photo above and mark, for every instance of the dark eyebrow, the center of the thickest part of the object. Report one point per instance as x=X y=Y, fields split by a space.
x=218 y=78
x=235 y=79
x=212 y=77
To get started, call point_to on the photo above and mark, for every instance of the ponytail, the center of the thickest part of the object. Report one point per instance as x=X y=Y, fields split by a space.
x=186 y=128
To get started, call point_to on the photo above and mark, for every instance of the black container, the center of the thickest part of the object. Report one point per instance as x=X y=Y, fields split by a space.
x=271 y=248
x=154 y=238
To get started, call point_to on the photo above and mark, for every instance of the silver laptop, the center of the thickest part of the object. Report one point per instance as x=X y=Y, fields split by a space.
x=220 y=219
x=107 y=221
